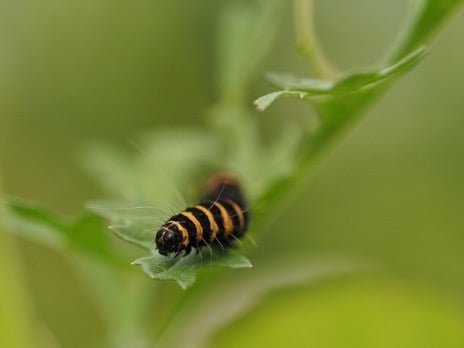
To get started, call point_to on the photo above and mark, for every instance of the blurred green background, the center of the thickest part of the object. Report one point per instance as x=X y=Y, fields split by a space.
x=391 y=192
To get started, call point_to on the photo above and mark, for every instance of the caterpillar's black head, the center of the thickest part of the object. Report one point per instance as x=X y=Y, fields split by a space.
x=168 y=241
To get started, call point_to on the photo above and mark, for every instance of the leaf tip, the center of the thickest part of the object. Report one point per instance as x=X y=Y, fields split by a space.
x=112 y=228
x=183 y=285
x=262 y=103
x=258 y=105
x=245 y=263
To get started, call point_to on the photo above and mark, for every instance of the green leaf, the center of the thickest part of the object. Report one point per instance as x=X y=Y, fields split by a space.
x=338 y=103
x=245 y=33
x=85 y=233
x=135 y=224
x=183 y=270
x=427 y=17
x=306 y=88
x=262 y=103
x=138 y=223
x=164 y=162
x=258 y=165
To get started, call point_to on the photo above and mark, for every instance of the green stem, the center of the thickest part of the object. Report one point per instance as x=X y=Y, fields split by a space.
x=306 y=40
x=422 y=25
x=17 y=323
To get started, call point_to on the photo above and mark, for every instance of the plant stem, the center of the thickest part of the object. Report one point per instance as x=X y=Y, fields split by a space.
x=306 y=40
x=17 y=323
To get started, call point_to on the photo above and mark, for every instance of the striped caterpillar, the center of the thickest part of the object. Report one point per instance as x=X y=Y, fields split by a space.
x=220 y=218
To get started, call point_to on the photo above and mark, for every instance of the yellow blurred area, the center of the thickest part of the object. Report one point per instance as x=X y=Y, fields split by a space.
x=366 y=312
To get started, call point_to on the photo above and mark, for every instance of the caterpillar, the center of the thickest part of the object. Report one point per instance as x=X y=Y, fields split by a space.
x=220 y=218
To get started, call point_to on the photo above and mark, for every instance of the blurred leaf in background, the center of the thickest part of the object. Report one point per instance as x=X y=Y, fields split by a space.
x=360 y=312
x=18 y=326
